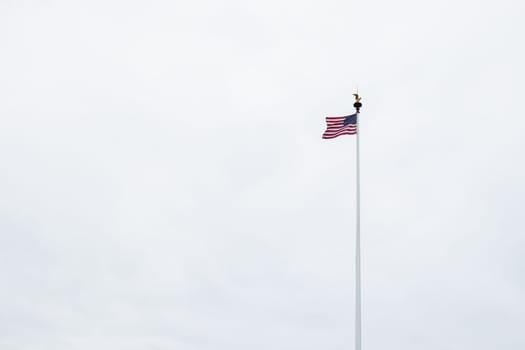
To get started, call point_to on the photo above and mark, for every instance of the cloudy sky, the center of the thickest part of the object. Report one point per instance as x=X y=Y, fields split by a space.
x=164 y=185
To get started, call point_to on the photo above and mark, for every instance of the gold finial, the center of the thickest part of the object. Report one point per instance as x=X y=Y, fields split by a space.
x=357 y=103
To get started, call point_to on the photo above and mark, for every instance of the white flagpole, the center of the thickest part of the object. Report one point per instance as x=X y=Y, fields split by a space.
x=357 y=106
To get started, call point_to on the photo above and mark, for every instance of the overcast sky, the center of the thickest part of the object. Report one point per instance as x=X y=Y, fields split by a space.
x=164 y=184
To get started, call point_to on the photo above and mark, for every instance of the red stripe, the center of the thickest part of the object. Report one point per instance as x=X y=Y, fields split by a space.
x=340 y=132
x=336 y=130
x=336 y=118
x=337 y=135
x=341 y=126
x=344 y=133
x=333 y=137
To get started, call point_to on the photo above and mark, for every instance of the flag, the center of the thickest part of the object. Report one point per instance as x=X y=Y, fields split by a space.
x=337 y=126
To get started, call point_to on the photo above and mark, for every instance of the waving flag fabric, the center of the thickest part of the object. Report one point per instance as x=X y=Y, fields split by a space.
x=337 y=126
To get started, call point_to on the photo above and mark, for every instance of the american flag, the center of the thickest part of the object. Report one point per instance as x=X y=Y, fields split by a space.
x=337 y=126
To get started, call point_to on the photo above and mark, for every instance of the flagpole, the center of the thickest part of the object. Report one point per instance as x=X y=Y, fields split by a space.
x=357 y=106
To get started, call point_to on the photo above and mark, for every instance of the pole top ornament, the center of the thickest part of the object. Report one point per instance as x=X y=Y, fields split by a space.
x=357 y=103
